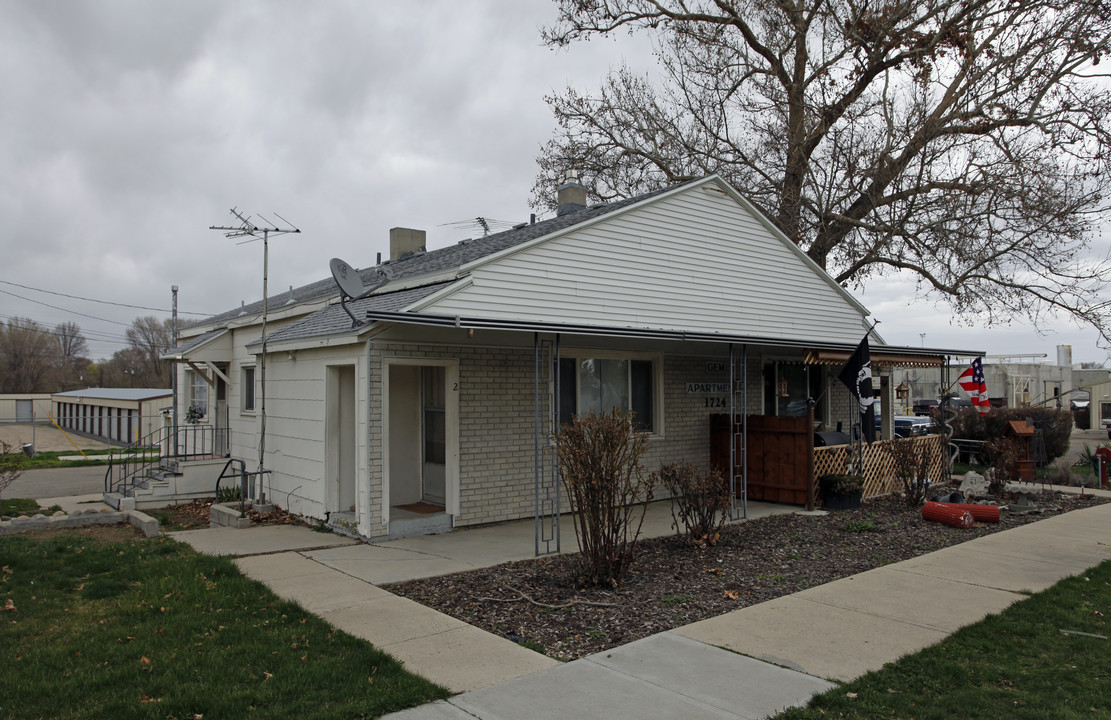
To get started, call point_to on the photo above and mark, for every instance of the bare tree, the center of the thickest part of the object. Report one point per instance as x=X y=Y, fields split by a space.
x=28 y=357
x=962 y=142
x=74 y=351
x=149 y=337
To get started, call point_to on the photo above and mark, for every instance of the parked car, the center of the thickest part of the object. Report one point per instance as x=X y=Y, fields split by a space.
x=908 y=425
x=925 y=406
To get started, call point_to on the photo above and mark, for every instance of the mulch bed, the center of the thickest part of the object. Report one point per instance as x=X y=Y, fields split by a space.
x=671 y=583
x=195 y=514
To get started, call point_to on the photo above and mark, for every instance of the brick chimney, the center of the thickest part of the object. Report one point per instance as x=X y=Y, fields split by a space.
x=405 y=242
x=571 y=195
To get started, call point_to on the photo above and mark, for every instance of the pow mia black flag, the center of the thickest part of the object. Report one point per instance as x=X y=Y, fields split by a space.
x=857 y=376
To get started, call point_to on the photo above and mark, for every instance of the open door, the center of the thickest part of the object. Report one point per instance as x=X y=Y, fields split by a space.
x=434 y=435
x=422 y=449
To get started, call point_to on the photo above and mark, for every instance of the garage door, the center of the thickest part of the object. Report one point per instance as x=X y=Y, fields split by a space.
x=24 y=411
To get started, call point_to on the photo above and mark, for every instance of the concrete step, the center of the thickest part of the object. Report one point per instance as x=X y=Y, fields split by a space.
x=415 y=526
x=147 y=502
x=227 y=515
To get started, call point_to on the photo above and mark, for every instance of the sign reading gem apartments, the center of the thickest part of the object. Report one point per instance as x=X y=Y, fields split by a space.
x=697 y=388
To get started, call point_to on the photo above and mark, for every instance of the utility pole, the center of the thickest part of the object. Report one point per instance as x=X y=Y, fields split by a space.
x=173 y=366
x=248 y=229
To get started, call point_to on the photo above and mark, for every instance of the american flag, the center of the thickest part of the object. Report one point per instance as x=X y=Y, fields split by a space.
x=972 y=382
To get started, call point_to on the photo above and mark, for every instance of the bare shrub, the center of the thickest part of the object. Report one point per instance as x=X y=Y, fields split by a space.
x=912 y=468
x=1005 y=453
x=11 y=466
x=699 y=501
x=599 y=459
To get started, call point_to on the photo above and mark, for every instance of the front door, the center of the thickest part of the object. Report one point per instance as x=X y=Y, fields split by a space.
x=434 y=434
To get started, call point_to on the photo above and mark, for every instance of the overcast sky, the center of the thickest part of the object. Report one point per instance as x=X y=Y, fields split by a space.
x=128 y=128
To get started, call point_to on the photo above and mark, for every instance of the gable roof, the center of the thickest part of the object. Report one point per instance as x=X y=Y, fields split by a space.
x=433 y=261
x=696 y=258
x=432 y=282
x=194 y=343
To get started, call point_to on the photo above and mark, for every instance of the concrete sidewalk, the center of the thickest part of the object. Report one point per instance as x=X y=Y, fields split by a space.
x=786 y=647
x=783 y=651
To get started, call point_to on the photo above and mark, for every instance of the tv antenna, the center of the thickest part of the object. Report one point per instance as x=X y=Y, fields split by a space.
x=248 y=229
x=485 y=224
x=351 y=285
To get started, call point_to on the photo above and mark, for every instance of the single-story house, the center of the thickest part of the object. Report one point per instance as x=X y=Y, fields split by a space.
x=117 y=415
x=432 y=399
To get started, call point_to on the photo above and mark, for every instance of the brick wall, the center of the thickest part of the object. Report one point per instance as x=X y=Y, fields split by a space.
x=496 y=424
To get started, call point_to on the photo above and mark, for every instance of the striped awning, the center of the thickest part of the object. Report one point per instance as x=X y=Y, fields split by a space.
x=879 y=358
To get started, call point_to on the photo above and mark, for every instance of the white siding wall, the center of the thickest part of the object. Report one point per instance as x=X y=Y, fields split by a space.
x=295 y=427
x=694 y=261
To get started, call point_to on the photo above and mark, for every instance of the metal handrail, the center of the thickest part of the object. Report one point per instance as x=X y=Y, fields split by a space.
x=167 y=442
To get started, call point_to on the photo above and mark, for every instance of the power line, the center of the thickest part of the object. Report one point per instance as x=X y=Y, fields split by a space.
x=55 y=307
x=87 y=338
x=45 y=326
x=103 y=302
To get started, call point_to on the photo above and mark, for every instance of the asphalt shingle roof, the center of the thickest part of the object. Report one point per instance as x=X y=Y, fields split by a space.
x=435 y=261
x=332 y=319
x=191 y=343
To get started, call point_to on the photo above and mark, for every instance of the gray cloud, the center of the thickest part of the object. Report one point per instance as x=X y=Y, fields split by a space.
x=127 y=128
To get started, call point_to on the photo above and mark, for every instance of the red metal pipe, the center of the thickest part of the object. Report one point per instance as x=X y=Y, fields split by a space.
x=946 y=514
x=980 y=513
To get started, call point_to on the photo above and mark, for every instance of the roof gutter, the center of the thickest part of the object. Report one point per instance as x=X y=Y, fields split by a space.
x=456 y=321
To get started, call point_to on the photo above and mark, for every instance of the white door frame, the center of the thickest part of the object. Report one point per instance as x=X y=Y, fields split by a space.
x=332 y=447
x=451 y=409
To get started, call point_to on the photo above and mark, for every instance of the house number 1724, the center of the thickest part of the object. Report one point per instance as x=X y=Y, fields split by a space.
x=716 y=402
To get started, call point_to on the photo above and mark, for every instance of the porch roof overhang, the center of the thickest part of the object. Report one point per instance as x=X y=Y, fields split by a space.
x=822 y=352
x=212 y=346
x=884 y=356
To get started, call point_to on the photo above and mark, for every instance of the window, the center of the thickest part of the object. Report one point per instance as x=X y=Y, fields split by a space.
x=601 y=384
x=787 y=387
x=248 y=383
x=198 y=392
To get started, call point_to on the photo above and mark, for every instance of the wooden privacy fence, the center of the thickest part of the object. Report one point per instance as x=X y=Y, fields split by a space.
x=879 y=468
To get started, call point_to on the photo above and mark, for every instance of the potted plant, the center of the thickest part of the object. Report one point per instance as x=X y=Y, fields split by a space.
x=841 y=491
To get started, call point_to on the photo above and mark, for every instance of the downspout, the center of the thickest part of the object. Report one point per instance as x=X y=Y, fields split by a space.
x=363 y=507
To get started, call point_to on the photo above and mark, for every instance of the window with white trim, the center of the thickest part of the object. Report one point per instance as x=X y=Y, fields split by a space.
x=601 y=384
x=198 y=391
x=247 y=383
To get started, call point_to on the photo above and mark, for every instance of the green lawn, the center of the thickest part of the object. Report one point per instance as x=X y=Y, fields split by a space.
x=1017 y=664
x=24 y=506
x=53 y=459
x=152 y=629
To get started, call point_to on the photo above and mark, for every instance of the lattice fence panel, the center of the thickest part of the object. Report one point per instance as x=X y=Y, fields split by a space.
x=879 y=468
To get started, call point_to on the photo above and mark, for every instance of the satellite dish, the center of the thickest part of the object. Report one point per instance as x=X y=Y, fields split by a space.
x=351 y=286
x=347 y=278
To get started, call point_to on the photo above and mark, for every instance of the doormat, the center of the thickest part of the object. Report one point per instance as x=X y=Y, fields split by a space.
x=421 y=507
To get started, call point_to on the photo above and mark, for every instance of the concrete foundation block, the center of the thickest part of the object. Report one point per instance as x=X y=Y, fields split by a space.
x=144 y=522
